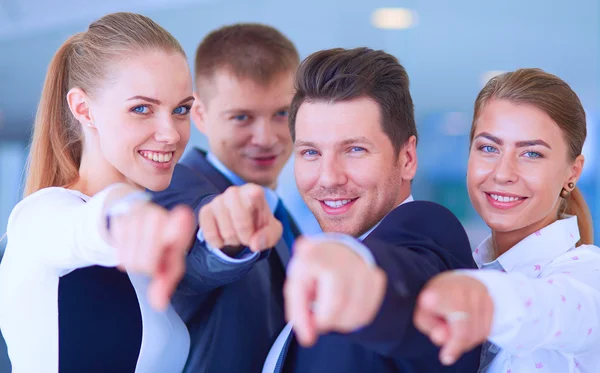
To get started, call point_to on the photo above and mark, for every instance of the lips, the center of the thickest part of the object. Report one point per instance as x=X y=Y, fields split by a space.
x=338 y=203
x=264 y=160
x=160 y=157
x=504 y=201
x=337 y=206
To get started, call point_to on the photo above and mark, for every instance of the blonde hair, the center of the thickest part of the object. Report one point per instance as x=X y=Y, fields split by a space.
x=553 y=96
x=82 y=61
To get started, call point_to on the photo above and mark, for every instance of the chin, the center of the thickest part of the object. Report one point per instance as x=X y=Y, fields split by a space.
x=266 y=181
x=157 y=185
x=502 y=224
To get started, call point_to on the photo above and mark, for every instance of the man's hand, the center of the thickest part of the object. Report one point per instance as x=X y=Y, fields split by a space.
x=240 y=217
x=456 y=312
x=330 y=288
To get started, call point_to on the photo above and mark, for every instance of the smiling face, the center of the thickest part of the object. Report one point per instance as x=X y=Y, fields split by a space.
x=246 y=124
x=141 y=117
x=518 y=164
x=347 y=170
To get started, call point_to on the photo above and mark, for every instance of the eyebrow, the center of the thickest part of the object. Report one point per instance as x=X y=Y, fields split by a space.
x=519 y=144
x=241 y=110
x=156 y=101
x=354 y=140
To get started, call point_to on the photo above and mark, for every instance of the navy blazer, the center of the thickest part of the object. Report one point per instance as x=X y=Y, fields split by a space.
x=234 y=311
x=413 y=243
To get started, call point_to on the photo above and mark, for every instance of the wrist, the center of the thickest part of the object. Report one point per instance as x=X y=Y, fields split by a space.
x=122 y=205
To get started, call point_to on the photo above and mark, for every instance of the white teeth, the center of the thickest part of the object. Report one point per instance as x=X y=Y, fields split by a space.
x=337 y=204
x=157 y=157
x=505 y=198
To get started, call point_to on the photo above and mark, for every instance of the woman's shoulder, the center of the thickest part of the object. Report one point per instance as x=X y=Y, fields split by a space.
x=578 y=259
x=47 y=200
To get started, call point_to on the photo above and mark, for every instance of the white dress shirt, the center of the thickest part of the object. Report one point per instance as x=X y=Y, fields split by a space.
x=547 y=302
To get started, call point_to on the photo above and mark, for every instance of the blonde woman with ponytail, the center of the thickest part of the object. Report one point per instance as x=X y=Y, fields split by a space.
x=90 y=262
x=537 y=298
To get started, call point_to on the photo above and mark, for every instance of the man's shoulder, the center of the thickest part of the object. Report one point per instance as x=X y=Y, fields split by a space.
x=425 y=212
x=426 y=219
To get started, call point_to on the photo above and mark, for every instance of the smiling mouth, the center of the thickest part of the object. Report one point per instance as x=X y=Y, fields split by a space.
x=335 y=204
x=503 y=201
x=504 y=198
x=159 y=157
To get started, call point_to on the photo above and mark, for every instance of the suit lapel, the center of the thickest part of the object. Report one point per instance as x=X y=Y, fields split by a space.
x=196 y=160
x=283 y=252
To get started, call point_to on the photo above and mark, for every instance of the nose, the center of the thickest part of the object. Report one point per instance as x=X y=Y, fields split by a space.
x=264 y=134
x=506 y=170
x=168 y=131
x=333 y=172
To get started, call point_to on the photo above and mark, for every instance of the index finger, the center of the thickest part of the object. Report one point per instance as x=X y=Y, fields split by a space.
x=299 y=292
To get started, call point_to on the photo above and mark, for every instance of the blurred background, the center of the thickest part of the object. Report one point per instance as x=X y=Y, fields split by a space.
x=450 y=49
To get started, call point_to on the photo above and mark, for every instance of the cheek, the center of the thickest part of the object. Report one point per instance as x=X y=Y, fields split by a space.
x=283 y=134
x=185 y=133
x=306 y=175
x=546 y=189
x=477 y=173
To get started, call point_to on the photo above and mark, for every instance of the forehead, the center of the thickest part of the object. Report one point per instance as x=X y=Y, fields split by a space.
x=229 y=91
x=326 y=122
x=518 y=122
x=157 y=74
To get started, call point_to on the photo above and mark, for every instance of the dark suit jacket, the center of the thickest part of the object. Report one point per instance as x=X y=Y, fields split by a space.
x=234 y=312
x=416 y=241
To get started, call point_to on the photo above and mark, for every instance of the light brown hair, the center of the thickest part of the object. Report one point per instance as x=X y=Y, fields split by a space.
x=338 y=74
x=82 y=61
x=554 y=97
x=248 y=50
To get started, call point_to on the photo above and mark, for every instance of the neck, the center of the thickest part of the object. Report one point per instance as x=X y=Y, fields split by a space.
x=504 y=241
x=405 y=192
x=95 y=174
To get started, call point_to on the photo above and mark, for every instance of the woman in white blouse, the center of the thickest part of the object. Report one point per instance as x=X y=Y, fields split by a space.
x=112 y=121
x=537 y=298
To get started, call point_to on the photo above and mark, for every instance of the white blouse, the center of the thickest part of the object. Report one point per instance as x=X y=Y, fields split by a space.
x=50 y=234
x=546 y=294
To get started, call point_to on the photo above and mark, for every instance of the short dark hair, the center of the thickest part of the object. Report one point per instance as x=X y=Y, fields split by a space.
x=248 y=50
x=338 y=74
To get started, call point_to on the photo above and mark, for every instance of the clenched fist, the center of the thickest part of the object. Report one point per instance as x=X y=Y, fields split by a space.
x=240 y=217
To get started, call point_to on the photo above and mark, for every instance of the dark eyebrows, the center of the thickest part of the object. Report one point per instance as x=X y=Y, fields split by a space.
x=156 y=101
x=519 y=144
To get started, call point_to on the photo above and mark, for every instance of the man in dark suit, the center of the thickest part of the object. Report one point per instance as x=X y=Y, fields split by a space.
x=230 y=297
x=350 y=292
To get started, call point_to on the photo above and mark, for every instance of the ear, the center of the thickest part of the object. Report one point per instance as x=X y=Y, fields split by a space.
x=575 y=172
x=199 y=113
x=407 y=159
x=78 y=102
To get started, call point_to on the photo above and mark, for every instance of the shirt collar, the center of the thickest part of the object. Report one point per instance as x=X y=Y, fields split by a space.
x=534 y=252
x=408 y=199
x=270 y=195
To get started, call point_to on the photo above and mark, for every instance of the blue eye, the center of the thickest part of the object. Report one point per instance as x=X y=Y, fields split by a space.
x=282 y=113
x=531 y=154
x=488 y=149
x=142 y=109
x=241 y=117
x=355 y=149
x=182 y=110
x=310 y=152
